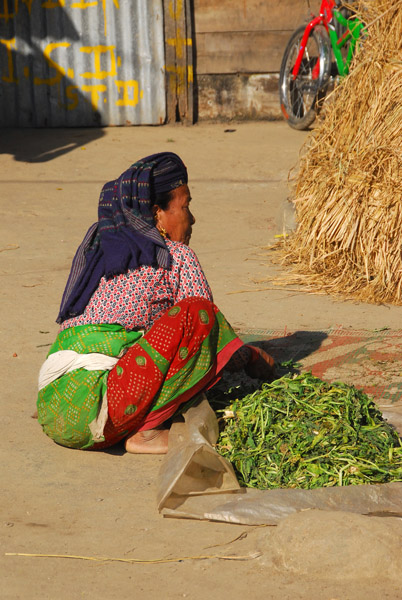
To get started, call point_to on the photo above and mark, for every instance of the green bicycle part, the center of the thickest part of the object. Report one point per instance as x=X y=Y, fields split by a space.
x=354 y=27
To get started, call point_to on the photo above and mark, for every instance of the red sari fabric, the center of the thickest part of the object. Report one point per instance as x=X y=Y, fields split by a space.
x=181 y=355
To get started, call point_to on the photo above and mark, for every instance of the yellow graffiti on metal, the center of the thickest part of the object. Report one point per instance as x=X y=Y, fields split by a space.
x=99 y=52
x=10 y=78
x=94 y=91
x=60 y=72
x=102 y=63
x=6 y=14
x=129 y=90
x=28 y=4
x=53 y=3
x=127 y=86
x=72 y=95
x=84 y=4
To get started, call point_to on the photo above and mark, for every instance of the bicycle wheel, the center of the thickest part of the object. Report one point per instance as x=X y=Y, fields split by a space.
x=300 y=97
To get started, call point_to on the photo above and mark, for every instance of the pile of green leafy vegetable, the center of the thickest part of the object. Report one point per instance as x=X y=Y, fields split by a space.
x=301 y=432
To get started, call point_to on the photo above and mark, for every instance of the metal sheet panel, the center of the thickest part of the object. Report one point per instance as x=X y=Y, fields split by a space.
x=80 y=63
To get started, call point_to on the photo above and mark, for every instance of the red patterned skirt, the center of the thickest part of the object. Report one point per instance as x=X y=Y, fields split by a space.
x=181 y=355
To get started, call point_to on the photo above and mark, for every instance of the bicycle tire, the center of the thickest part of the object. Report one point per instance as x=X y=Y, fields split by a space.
x=300 y=99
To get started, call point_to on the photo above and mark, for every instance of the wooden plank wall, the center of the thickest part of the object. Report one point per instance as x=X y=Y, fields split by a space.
x=245 y=36
x=178 y=19
x=223 y=56
x=238 y=48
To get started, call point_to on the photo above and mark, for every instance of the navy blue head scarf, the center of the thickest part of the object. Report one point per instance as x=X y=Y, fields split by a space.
x=125 y=236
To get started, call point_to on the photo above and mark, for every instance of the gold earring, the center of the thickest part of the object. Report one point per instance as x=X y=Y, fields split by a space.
x=163 y=232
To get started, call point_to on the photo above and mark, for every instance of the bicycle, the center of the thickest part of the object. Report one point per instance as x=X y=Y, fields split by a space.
x=307 y=65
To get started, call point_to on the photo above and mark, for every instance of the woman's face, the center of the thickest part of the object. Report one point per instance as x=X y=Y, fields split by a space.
x=177 y=220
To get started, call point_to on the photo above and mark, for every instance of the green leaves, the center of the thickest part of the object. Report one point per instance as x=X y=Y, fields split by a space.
x=303 y=432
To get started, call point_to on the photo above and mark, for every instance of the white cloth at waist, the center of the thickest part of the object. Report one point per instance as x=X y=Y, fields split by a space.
x=64 y=361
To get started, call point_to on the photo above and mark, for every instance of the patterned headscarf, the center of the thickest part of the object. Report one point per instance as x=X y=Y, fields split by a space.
x=125 y=236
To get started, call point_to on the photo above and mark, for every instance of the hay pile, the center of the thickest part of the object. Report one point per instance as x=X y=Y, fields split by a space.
x=348 y=190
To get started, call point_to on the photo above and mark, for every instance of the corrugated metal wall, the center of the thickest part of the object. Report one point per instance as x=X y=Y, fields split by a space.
x=72 y=63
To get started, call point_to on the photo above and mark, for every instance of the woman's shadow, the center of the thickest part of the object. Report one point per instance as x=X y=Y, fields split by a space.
x=287 y=351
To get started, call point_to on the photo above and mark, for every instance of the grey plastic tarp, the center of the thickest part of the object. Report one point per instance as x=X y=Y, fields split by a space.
x=195 y=482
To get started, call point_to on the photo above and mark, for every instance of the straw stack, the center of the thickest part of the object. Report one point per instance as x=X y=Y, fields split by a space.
x=348 y=190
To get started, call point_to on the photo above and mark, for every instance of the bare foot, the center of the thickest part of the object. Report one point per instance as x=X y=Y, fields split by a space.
x=153 y=441
x=261 y=365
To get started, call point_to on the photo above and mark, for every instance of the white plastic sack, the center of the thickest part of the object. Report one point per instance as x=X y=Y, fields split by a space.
x=196 y=482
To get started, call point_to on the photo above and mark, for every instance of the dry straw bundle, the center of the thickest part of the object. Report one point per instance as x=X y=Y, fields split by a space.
x=348 y=190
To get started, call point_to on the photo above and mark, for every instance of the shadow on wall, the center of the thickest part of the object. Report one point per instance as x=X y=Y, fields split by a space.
x=35 y=91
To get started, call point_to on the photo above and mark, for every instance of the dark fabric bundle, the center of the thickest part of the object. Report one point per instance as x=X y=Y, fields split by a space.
x=125 y=236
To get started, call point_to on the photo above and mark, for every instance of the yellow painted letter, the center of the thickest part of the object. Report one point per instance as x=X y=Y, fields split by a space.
x=126 y=86
x=10 y=78
x=97 y=51
x=94 y=90
x=60 y=71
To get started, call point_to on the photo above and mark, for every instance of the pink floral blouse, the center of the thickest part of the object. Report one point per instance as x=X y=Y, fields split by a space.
x=139 y=297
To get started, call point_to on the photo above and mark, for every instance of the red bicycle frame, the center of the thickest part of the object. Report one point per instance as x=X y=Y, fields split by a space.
x=324 y=18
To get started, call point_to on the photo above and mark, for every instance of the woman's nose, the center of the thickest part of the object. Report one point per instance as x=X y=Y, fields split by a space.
x=192 y=219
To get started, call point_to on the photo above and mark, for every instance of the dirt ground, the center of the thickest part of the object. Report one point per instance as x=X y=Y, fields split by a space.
x=60 y=501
